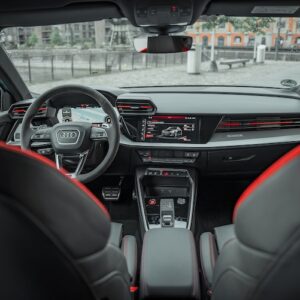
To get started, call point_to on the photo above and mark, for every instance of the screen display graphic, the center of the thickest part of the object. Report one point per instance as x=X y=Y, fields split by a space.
x=169 y=129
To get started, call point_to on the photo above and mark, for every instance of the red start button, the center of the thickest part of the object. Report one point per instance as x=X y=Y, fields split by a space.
x=165 y=173
x=152 y=202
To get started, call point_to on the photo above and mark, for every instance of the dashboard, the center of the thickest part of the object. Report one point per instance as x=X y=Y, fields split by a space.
x=219 y=130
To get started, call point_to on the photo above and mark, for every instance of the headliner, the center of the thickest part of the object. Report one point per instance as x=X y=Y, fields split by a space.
x=46 y=12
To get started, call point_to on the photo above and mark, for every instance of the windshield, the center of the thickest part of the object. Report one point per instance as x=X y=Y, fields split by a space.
x=226 y=51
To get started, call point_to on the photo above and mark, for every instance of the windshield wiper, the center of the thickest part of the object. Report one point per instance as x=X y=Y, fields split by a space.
x=292 y=86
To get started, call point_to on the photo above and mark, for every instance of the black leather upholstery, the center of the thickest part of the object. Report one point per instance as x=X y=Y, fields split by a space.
x=128 y=247
x=210 y=247
x=54 y=236
x=116 y=234
x=169 y=267
x=262 y=260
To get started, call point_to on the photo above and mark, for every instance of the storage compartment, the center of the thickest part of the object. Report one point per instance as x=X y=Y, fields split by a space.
x=159 y=189
x=169 y=266
x=245 y=160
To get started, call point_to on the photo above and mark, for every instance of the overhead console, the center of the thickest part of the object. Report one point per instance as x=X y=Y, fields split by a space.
x=157 y=13
x=162 y=13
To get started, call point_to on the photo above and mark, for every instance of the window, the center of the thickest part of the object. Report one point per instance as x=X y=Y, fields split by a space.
x=222 y=26
x=237 y=40
x=238 y=29
x=281 y=24
x=205 y=41
x=298 y=41
x=251 y=42
x=221 y=41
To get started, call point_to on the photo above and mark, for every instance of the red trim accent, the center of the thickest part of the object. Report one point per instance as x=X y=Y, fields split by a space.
x=169 y=117
x=123 y=106
x=22 y=110
x=270 y=123
x=146 y=106
x=19 y=110
x=280 y=163
x=145 y=50
x=133 y=289
x=230 y=124
x=51 y=164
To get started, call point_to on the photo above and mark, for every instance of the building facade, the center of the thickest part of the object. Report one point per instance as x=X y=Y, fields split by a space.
x=226 y=35
x=105 y=33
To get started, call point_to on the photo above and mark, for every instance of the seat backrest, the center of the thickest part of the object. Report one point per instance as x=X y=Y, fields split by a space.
x=263 y=261
x=53 y=235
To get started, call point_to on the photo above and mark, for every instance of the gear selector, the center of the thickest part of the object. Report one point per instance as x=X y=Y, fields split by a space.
x=167 y=212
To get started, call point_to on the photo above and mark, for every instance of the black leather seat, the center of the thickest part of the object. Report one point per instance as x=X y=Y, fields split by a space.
x=57 y=241
x=259 y=256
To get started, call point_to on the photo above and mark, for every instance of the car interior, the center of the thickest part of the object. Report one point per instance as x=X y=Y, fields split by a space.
x=174 y=192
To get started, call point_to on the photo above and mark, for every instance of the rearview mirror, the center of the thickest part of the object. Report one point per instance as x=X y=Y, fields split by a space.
x=163 y=44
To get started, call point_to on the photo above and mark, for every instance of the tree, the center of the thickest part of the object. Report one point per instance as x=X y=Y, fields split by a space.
x=255 y=25
x=56 y=38
x=211 y=24
x=32 y=40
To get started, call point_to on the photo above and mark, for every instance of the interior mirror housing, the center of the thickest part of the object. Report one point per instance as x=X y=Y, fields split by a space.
x=163 y=44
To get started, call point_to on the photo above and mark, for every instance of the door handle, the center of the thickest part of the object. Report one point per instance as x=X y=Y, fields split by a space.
x=238 y=158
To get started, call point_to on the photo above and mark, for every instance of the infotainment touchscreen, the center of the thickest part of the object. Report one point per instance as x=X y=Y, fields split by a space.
x=169 y=129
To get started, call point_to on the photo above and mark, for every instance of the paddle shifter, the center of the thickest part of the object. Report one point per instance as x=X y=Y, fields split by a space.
x=167 y=212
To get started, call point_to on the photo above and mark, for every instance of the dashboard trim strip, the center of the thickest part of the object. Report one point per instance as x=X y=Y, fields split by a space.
x=215 y=144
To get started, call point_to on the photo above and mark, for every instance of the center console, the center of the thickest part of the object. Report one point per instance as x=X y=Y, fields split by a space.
x=169 y=266
x=166 y=197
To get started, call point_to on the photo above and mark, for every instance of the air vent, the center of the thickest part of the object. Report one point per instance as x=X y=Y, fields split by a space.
x=135 y=105
x=258 y=123
x=18 y=111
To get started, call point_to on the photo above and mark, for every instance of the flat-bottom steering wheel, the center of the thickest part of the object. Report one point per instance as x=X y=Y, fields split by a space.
x=75 y=138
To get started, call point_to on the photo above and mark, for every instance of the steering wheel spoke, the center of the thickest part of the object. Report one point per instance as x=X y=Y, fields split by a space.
x=59 y=158
x=99 y=134
x=41 y=135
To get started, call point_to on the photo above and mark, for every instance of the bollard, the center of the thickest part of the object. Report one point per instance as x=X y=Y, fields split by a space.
x=29 y=69
x=52 y=67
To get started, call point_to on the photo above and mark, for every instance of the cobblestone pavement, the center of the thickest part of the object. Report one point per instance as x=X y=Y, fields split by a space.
x=268 y=74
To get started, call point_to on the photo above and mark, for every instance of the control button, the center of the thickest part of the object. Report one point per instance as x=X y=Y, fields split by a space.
x=152 y=11
x=189 y=161
x=167 y=220
x=46 y=151
x=181 y=201
x=165 y=173
x=152 y=202
x=191 y=154
x=144 y=153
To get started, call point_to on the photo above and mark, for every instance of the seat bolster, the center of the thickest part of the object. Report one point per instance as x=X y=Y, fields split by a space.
x=208 y=256
x=116 y=233
x=223 y=234
x=129 y=249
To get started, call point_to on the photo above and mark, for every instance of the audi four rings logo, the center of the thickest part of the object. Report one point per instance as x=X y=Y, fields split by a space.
x=67 y=136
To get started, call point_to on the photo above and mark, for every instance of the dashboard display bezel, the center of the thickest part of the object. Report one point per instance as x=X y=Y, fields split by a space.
x=196 y=134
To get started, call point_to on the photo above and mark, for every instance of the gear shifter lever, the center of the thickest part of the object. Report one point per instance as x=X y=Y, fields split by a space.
x=167 y=212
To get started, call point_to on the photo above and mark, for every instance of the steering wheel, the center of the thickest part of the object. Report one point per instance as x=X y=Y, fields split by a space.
x=74 y=138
